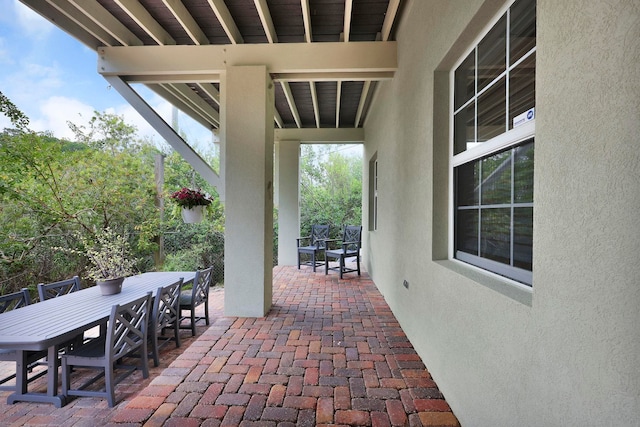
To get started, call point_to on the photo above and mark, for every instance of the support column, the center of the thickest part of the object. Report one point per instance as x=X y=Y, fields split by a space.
x=247 y=124
x=287 y=200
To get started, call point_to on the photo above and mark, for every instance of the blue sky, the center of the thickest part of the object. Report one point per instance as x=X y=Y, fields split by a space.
x=53 y=78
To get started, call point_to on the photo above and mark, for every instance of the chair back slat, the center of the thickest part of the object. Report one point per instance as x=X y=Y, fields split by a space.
x=14 y=300
x=319 y=233
x=201 y=285
x=352 y=235
x=127 y=329
x=166 y=306
x=57 y=289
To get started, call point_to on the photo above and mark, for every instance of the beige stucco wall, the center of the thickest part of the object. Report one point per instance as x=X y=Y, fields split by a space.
x=569 y=352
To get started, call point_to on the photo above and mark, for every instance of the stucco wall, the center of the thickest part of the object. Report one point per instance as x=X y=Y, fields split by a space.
x=570 y=353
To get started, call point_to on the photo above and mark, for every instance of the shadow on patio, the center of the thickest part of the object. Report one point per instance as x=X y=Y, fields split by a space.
x=329 y=352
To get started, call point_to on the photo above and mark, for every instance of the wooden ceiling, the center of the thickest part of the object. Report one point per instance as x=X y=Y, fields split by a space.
x=321 y=33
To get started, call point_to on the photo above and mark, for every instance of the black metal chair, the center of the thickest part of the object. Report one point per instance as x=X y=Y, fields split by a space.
x=350 y=247
x=56 y=289
x=196 y=296
x=14 y=301
x=126 y=335
x=165 y=314
x=315 y=245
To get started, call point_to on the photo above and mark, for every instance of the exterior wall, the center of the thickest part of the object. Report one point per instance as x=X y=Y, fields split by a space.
x=567 y=353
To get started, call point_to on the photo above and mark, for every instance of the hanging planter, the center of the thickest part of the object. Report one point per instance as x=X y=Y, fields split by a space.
x=192 y=203
x=192 y=215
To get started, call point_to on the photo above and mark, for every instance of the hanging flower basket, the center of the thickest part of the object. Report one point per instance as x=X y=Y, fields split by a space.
x=192 y=203
x=192 y=215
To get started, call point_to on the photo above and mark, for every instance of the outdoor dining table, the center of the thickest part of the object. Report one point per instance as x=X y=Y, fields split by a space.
x=47 y=325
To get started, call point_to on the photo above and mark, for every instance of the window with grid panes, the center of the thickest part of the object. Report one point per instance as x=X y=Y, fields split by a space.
x=493 y=147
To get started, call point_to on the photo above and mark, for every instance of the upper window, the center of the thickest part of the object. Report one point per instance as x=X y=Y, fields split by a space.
x=493 y=147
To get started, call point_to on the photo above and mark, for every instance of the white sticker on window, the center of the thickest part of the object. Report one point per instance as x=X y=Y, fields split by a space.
x=523 y=118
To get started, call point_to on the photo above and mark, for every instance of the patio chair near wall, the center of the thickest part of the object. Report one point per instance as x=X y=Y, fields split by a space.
x=313 y=245
x=165 y=315
x=348 y=248
x=196 y=296
x=15 y=301
x=126 y=335
x=56 y=289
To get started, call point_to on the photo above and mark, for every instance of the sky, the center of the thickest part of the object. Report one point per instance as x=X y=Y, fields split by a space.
x=53 y=79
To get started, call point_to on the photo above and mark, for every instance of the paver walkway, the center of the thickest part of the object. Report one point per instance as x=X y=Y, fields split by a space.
x=330 y=352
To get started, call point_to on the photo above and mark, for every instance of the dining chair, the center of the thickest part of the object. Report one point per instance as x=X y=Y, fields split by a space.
x=349 y=247
x=56 y=289
x=196 y=296
x=313 y=245
x=126 y=335
x=165 y=315
x=15 y=301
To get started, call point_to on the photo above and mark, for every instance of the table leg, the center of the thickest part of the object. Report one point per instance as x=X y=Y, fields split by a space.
x=22 y=394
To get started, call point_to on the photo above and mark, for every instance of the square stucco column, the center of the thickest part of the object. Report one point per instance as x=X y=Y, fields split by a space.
x=287 y=196
x=247 y=121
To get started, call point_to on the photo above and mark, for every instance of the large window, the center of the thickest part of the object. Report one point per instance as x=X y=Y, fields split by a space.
x=493 y=147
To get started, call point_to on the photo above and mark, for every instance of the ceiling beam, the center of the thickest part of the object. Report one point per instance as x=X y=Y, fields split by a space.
x=321 y=135
x=190 y=26
x=143 y=18
x=211 y=91
x=102 y=17
x=314 y=100
x=279 y=58
x=267 y=22
x=292 y=103
x=226 y=20
x=196 y=103
x=389 y=17
x=181 y=105
x=338 y=98
x=348 y=8
x=306 y=18
x=83 y=21
x=363 y=100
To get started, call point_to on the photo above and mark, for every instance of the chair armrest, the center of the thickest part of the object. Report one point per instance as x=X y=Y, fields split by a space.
x=302 y=238
x=327 y=243
x=345 y=245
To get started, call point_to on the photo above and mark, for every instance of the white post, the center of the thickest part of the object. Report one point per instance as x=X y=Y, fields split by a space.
x=247 y=97
x=287 y=200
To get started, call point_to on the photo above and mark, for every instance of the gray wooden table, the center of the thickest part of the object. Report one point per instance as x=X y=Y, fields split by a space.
x=48 y=324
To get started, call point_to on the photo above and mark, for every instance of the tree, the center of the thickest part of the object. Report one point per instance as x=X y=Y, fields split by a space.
x=331 y=188
x=17 y=117
x=51 y=189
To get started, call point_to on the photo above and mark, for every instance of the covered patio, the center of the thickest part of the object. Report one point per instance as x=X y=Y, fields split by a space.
x=330 y=351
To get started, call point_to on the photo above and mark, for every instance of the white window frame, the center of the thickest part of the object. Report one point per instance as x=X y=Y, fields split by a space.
x=510 y=138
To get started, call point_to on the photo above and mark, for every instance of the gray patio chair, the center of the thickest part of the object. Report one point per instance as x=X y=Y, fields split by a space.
x=165 y=315
x=313 y=245
x=14 y=301
x=126 y=335
x=56 y=289
x=350 y=247
x=196 y=296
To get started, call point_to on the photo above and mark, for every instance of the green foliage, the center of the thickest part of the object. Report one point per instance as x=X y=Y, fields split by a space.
x=52 y=190
x=331 y=189
x=109 y=255
x=17 y=117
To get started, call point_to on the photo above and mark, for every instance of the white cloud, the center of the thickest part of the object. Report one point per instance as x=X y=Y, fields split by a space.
x=56 y=111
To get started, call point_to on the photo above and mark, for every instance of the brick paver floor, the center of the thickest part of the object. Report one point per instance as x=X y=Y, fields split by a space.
x=330 y=352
